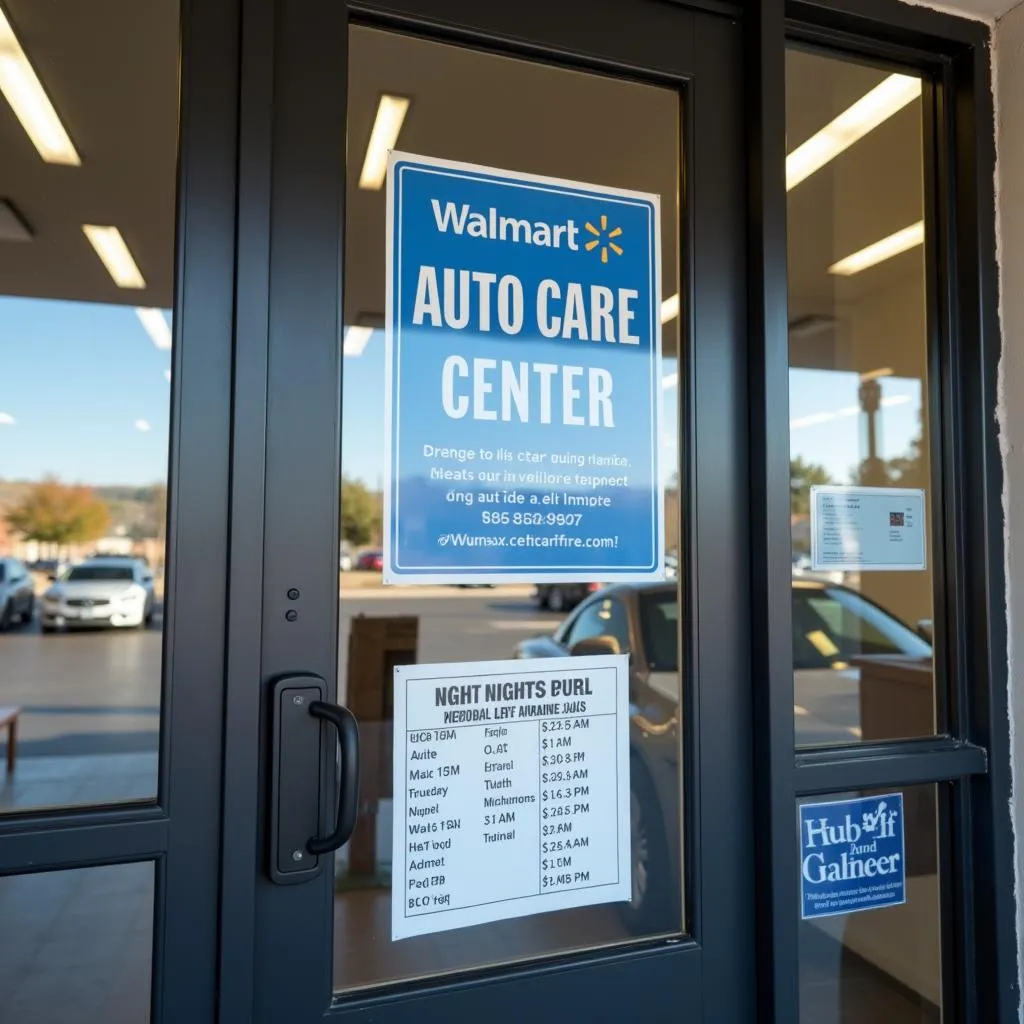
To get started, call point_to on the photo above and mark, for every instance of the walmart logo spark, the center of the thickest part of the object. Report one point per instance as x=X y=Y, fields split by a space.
x=603 y=238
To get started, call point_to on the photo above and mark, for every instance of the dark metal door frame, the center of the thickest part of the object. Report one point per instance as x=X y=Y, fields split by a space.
x=287 y=390
x=291 y=189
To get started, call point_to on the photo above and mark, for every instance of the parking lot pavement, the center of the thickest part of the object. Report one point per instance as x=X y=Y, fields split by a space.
x=96 y=695
x=454 y=624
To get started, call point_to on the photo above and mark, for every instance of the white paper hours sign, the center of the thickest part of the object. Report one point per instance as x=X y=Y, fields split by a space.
x=511 y=790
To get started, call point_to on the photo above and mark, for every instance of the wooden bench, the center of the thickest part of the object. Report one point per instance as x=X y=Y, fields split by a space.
x=9 y=717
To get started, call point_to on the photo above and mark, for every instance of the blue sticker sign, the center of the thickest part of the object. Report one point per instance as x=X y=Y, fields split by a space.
x=523 y=378
x=851 y=855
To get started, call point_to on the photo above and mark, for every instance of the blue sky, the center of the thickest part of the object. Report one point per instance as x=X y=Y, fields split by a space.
x=79 y=379
x=835 y=442
x=77 y=376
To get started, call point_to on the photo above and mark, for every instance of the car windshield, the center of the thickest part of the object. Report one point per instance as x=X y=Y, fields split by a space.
x=659 y=627
x=832 y=625
x=100 y=572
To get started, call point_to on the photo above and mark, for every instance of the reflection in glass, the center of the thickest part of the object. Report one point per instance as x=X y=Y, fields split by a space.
x=77 y=945
x=858 y=386
x=881 y=965
x=544 y=120
x=87 y=180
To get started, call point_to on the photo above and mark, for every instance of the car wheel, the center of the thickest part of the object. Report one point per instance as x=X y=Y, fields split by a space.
x=653 y=904
x=5 y=617
x=29 y=613
x=556 y=600
x=48 y=630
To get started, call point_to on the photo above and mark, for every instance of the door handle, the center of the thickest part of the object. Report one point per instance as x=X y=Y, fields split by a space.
x=348 y=790
x=302 y=755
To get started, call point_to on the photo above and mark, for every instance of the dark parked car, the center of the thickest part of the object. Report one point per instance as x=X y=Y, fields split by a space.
x=837 y=636
x=370 y=561
x=17 y=594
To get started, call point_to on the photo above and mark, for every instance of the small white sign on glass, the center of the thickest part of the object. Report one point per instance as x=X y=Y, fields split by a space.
x=865 y=529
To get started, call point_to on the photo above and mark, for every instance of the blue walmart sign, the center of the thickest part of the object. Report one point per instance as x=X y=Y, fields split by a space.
x=851 y=855
x=524 y=378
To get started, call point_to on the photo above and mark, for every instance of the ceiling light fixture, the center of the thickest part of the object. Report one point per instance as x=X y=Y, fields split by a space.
x=391 y=113
x=157 y=327
x=356 y=339
x=116 y=257
x=143 y=426
x=25 y=93
x=6 y=419
x=878 y=252
x=670 y=308
x=874 y=107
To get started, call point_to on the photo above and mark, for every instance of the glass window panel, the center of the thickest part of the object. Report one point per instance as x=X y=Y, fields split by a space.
x=77 y=945
x=858 y=389
x=495 y=111
x=884 y=964
x=87 y=212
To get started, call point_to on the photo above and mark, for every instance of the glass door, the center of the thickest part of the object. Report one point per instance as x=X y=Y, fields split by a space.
x=637 y=97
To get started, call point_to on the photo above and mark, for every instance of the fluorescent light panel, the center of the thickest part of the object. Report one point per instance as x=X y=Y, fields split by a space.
x=391 y=113
x=874 y=107
x=25 y=93
x=670 y=308
x=356 y=339
x=878 y=252
x=115 y=254
x=157 y=327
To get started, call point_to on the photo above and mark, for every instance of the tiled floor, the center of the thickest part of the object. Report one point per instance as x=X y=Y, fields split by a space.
x=81 y=940
x=837 y=987
x=77 y=945
x=39 y=782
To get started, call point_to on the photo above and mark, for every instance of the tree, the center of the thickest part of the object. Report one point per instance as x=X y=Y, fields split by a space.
x=360 y=512
x=802 y=477
x=57 y=513
x=908 y=470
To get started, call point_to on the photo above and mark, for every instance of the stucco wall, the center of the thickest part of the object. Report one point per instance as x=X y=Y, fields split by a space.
x=1009 y=73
